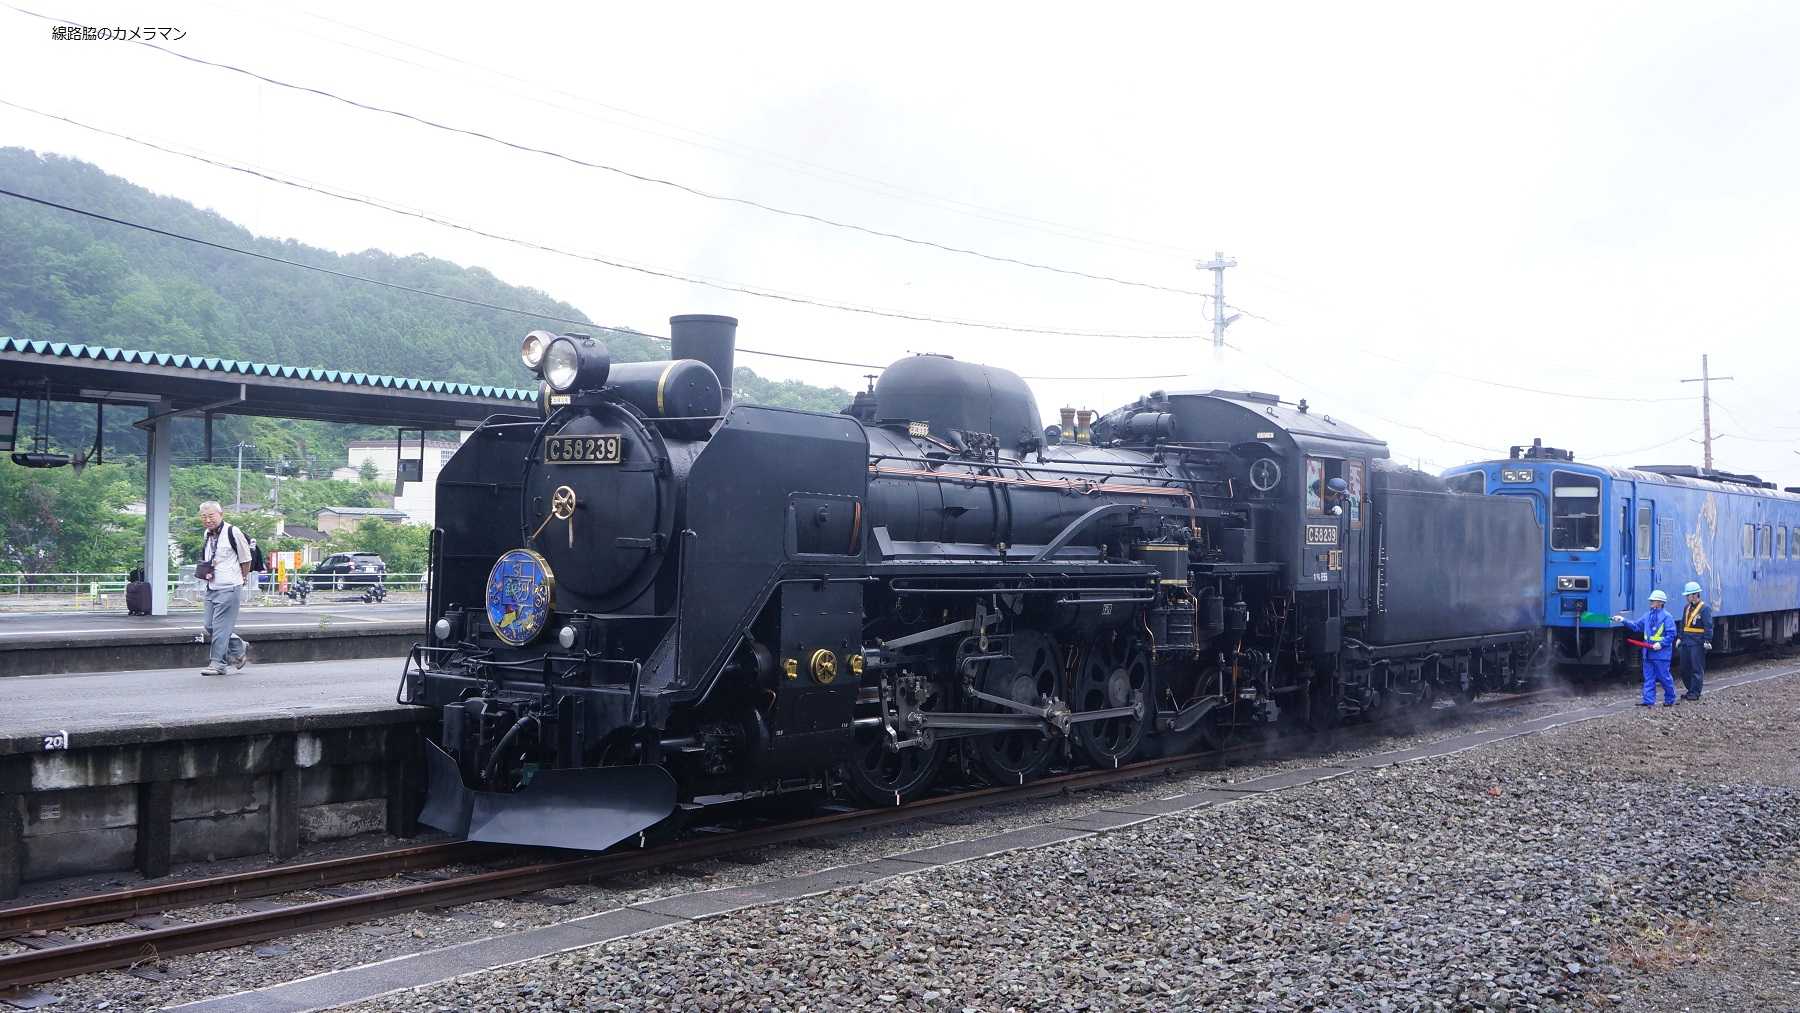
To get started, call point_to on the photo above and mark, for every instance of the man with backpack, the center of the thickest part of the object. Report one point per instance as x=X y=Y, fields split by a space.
x=225 y=563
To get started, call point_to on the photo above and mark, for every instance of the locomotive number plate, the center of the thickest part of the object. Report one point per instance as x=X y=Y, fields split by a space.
x=602 y=448
x=1321 y=534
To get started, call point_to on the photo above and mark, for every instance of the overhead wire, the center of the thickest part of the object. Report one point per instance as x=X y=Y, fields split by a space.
x=1503 y=385
x=620 y=264
x=645 y=178
x=1640 y=450
x=1464 y=443
x=1392 y=422
x=1739 y=422
x=560 y=319
x=534 y=91
x=1485 y=381
x=1754 y=439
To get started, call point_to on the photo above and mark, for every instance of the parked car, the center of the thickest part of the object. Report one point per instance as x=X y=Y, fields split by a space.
x=348 y=569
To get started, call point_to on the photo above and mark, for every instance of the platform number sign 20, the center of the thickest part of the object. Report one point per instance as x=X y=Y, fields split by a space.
x=56 y=741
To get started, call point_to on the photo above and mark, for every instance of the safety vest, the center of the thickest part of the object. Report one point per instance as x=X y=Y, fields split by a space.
x=1690 y=621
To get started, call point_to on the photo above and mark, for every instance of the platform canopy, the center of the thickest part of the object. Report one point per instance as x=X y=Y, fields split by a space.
x=170 y=386
x=194 y=384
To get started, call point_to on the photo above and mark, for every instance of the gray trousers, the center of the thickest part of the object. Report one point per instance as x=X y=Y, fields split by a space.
x=221 y=624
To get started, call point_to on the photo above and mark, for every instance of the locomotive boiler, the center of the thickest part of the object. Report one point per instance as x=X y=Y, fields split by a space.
x=649 y=599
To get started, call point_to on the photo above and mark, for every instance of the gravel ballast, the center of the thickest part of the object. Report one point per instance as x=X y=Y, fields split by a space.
x=231 y=971
x=1549 y=872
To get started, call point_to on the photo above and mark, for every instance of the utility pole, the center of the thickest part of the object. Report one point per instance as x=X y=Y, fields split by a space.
x=238 y=497
x=1217 y=266
x=275 y=476
x=1705 y=380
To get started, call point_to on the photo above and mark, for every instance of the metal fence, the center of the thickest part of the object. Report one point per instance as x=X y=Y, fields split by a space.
x=96 y=588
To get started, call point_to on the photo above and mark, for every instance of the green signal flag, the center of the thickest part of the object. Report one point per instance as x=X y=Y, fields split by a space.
x=1595 y=617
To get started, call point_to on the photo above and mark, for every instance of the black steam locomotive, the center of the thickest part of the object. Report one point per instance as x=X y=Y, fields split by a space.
x=650 y=597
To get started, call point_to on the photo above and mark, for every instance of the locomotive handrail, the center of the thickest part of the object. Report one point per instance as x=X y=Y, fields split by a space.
x=906 y=583
x=1015 y=590
x=1101 y=470
x=1022 y=465
x=1064 y=536
x=1105 y=601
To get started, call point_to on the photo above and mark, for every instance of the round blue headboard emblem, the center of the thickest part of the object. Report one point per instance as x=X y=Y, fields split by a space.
x=521 y=591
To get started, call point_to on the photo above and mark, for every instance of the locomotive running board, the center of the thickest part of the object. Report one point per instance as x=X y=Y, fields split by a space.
x=590 y=809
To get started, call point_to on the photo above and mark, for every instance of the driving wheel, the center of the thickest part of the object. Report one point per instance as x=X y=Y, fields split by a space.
x=1114 y=672
x=881 y=775
x=1029 y=677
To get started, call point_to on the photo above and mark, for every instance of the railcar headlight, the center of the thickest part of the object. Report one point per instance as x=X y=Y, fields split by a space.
x=442 y=629
x=531 y=350
x=566 y=637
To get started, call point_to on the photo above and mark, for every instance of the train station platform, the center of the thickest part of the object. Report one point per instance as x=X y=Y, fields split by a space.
x=42 y=643
x=119 y=770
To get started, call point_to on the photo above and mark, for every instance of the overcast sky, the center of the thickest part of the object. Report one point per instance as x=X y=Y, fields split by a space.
x=1423 y=201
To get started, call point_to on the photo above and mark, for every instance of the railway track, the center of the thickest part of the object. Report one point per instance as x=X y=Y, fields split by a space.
x=61 y=961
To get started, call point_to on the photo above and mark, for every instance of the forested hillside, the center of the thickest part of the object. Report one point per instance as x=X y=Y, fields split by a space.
x=68 y=278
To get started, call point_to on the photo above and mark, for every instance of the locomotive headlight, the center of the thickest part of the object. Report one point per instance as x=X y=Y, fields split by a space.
x=531 y=350
x=576 y=361
x=566 y=637
x=562 y=364
x=441 y=629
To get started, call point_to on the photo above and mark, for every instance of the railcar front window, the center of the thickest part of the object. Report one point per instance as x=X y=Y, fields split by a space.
x=1469 y=481
x=1574 y=512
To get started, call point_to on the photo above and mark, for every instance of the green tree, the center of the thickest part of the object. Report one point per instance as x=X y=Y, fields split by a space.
x=61 y=521
x=65 y=278
x=368 y=472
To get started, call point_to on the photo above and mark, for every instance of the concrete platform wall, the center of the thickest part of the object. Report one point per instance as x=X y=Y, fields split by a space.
x=145 y=805
x=55 y=654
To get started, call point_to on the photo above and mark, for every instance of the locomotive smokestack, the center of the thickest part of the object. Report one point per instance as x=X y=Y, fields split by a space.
x=711 y=339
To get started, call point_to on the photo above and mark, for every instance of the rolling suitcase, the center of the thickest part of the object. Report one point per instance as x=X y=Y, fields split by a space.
x=137 y=594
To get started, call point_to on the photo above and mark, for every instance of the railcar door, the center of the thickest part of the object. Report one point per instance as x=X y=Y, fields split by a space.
x=1645 y=550
x=1628 y=568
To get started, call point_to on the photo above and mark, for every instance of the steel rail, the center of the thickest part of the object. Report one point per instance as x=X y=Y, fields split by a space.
x=123 y=904
x=129 y=950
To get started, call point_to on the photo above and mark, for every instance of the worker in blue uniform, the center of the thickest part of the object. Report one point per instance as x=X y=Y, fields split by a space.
x=1694 y=641
x=1657 y=627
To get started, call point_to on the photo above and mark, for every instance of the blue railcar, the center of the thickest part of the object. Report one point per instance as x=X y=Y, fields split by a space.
x=1612 y=535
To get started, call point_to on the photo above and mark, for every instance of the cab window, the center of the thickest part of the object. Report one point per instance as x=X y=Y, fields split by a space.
x=1315 y=486
x=1574 y=512
x=1353 y=477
